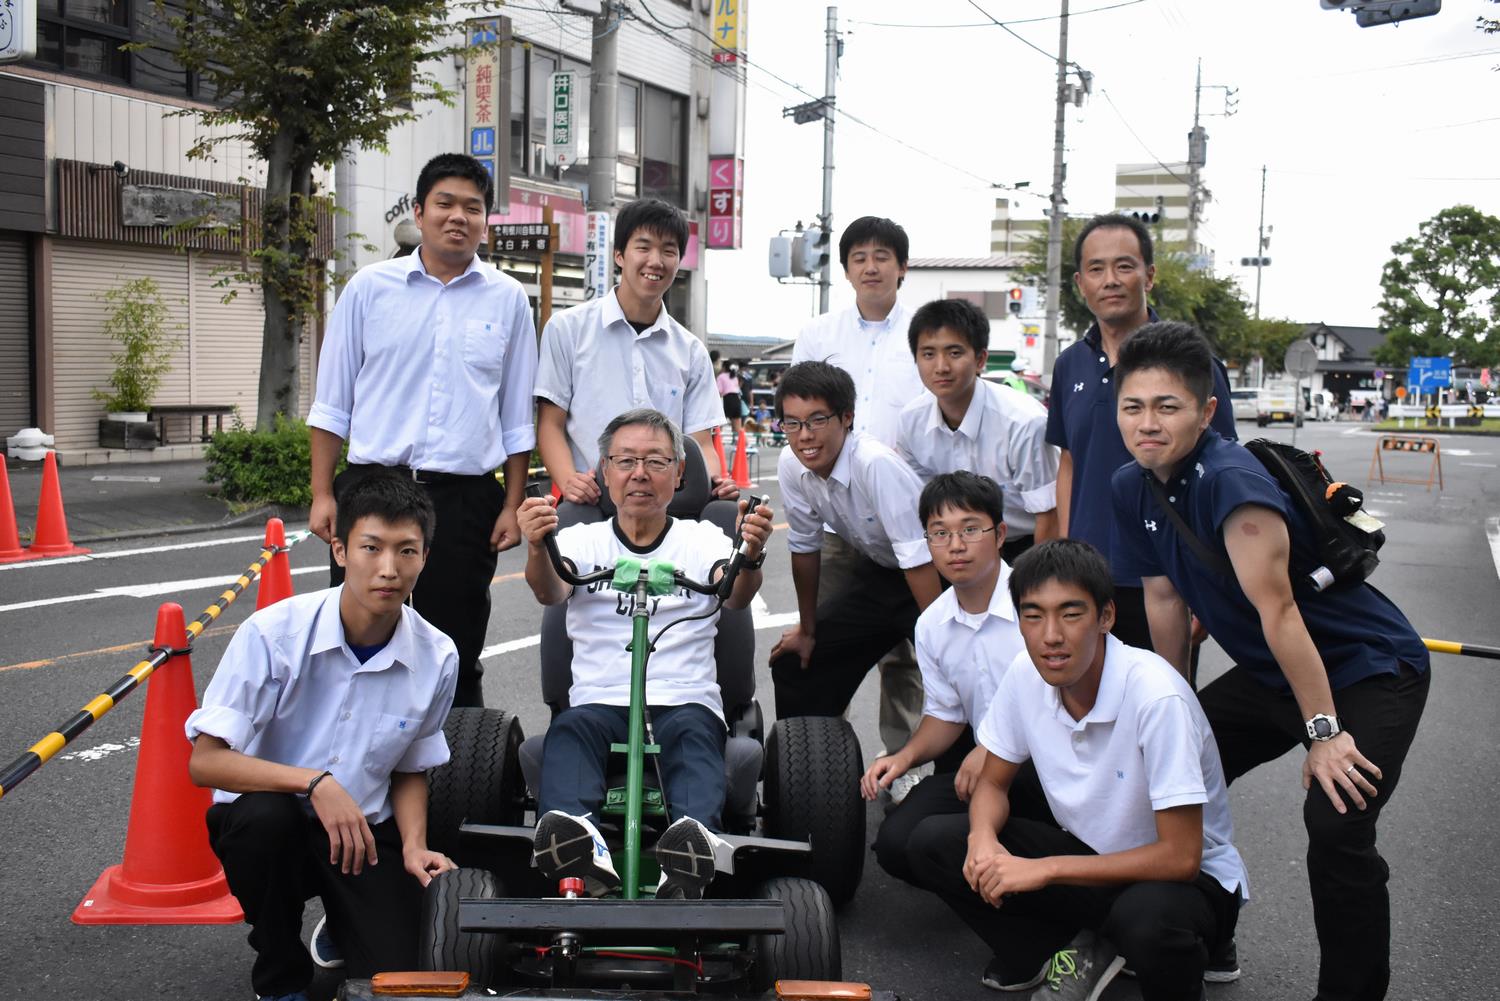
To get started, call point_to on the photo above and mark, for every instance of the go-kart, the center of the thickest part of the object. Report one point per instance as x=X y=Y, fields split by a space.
x=766 y=925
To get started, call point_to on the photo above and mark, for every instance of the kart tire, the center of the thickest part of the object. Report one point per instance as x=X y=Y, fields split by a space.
x=813 y=766
x=809 y=949
x=482 y=782
x=440 y=943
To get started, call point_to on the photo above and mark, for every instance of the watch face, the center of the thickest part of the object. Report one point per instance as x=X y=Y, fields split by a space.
x=1322 y=728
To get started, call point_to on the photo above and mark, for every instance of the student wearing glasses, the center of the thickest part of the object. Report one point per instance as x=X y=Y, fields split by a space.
x=832 y=475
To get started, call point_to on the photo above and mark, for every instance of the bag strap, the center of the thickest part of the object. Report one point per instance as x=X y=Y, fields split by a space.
x=1200 y=549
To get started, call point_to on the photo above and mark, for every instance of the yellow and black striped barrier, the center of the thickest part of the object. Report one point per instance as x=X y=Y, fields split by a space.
x=40 y=752
x=1462 y=649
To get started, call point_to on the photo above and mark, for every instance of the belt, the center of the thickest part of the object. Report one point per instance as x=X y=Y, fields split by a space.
x=429 y=476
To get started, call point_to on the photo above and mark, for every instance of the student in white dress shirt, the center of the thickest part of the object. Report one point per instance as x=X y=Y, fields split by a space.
x=965 y=422
x=830 y=475
x=427 y=368
x=868 y=340
x=965 y=641
x=622 y=352
x=643 y=464
x=315 y=734
x=1139 y=867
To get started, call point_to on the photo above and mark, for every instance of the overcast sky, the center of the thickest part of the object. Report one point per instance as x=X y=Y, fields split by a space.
x=1366 y=132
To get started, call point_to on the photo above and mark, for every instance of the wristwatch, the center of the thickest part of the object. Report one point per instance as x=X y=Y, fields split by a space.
x=756 y=563
x=1324 y=727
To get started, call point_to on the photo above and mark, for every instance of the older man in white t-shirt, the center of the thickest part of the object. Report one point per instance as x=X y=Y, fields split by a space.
x=642 y=458
x=1139 y=867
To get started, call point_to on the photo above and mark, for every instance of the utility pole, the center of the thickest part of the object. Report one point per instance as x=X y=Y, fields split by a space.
x=1260 y=243
x=604 y=109
x=1055 y=219
x=830 y=78
x=1197 y=150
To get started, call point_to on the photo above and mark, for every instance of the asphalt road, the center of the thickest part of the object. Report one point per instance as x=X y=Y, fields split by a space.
x=67 y=822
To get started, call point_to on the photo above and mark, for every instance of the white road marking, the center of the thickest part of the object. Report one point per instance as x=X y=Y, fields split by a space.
x=1492 y=529
x=201 y=544
x=125 y=479
x=140 y=590
x=1480 y=465
x=1464 y=451
x=510 y=646
x=99 y=751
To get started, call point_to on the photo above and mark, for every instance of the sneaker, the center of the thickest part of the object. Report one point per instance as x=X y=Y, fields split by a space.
x=572 y=846
x=1223 y=964
x=1080 y=970
x=322 y=947
x=995 y=980
x=906 y=783
x=685 y=852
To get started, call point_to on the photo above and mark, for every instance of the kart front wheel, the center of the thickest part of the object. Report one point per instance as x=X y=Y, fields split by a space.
x=440 y=943
x=813 y=766
x=809 y=950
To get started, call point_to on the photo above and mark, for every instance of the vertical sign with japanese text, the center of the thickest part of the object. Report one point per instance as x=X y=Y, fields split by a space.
x=726 y=30
x=482 y=92
x=562 y=137
x=598 y=258
x=726 y=194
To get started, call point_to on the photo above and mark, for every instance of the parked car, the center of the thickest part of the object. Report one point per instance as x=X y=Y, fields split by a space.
x=1279 y=403
x=1034 y=386
x=1246 y=403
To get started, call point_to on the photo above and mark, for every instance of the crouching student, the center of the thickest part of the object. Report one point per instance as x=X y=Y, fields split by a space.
x=830 y=474
x=315 y=734
x=1320 y=669
x=1139 y=868
x=965 y=641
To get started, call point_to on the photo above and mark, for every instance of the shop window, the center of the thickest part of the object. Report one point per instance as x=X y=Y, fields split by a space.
x=663 y=141
x=85 y=37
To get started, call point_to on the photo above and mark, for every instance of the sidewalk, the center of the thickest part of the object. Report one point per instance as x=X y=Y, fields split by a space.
x=122 y=501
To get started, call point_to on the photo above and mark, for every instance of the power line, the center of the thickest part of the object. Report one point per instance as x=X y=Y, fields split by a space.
x=992 y=22
x=1138 y=139
x=1008 y=30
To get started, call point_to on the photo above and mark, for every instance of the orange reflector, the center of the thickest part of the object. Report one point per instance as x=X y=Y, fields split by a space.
x=815 y=990
x=408 y=984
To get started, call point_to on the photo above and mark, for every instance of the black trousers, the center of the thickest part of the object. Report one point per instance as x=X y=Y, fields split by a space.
x=1164 y=930
x=1348 y=878
x=275 y=857
x=932 y=814
x=855 y=629
x=453 y=592
x=1015 y=545
x=1132 y=629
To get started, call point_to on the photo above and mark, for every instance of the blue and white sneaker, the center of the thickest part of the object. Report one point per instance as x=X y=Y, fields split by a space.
x=324 y=951
x=686 y=852
x=565 y=845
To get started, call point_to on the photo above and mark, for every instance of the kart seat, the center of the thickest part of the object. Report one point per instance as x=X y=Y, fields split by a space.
x=734 y=654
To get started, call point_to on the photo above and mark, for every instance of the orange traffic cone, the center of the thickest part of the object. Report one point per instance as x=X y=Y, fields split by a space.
x=742 y=462
x=10 y=539
x=170 y=875
x=719 y=448
x=51 y=536
x=276 y=576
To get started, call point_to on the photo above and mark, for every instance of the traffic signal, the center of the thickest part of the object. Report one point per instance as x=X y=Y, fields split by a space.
x=1015 y=295
x=814 y=250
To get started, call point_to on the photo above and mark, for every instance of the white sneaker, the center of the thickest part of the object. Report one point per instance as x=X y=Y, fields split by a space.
x=686 y=853
x=565 y=845
x=906 y=783
x=322 y=948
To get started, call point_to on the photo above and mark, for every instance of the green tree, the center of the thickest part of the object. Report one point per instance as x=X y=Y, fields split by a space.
x=1441 y=292
x=303 y=82
x=1271 y=339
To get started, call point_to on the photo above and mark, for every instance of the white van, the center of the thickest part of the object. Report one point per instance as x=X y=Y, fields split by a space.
x=1246 y=403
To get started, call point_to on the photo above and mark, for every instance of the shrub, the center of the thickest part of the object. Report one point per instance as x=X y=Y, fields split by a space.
x=263 y=467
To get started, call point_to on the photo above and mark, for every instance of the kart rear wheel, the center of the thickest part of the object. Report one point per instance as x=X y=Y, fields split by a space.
x=809 y=950
x=813 y=766
x=442 y=946
x=481 y=783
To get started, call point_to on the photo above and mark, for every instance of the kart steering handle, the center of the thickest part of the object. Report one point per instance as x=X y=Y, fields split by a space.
x=561 y=566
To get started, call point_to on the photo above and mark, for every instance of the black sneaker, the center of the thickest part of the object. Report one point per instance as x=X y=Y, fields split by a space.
x=1223 y=964
x=571 y=846
x=995 y=980
x=685 y=852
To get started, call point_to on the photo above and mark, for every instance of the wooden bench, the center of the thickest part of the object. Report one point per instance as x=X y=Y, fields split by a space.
x=204 y=411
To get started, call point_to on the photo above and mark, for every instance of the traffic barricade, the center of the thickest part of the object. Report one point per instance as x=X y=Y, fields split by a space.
x=1407 y=443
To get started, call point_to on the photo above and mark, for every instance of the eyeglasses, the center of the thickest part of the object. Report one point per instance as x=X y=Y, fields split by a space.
x=942 y=538
x=656 y=465
x=791 y=425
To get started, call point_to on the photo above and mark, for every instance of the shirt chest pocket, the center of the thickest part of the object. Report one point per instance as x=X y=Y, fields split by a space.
x=484 y=347
x=388 y=740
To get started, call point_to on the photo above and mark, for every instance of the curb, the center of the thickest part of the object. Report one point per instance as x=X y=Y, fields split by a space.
x=268 y=511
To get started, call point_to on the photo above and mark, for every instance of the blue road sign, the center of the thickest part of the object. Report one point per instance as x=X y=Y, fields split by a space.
x=482 y=142
x=1427 y=374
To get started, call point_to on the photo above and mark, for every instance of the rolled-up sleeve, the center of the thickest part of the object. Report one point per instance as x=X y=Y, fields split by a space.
x=554 y=367
x=898 y=494
x=517 y=403
x=1035 y=463
x=702 y=407
x=804 y=530
x=242 y=694
x=430 y=749
x=339 y=361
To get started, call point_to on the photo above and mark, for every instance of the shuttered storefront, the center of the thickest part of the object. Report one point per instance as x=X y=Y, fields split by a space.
x=217 y=358
x=15 y=335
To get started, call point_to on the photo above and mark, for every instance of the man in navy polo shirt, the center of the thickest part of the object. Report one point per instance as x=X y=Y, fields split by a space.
x=1321 y=669
x=1113 y=271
